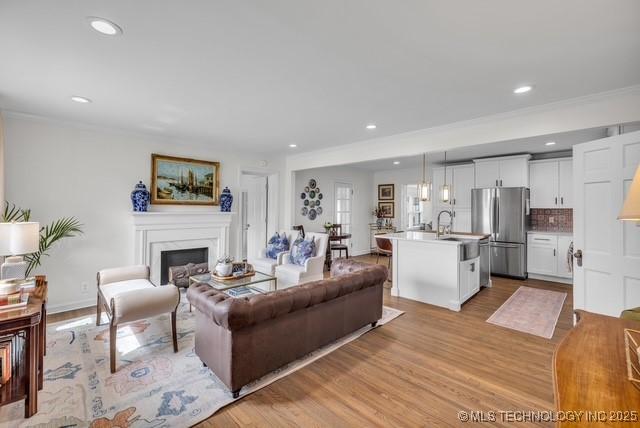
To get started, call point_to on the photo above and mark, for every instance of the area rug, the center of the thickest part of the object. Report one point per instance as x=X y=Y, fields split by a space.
x=530 y=310
x=153 y=387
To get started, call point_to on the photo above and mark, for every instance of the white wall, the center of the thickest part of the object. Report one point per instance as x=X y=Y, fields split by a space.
x=400 y=177
x=1 y=161
x=362 y=203
x=60 y=169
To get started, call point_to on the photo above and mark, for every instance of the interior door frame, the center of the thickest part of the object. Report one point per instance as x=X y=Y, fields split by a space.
x=273 y=203
x=336 y=184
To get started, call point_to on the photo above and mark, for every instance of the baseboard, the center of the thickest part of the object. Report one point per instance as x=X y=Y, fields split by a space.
x=55 y=309
x=551 y=278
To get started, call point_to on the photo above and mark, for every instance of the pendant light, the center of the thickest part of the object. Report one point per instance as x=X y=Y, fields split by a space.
x=424 y=188
x=445 y=191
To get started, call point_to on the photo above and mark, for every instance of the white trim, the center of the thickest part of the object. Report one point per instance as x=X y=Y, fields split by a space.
x=80 y=304
x=551 y=278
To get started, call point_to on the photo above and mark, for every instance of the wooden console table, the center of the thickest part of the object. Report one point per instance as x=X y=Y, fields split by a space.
x=27 y=325
x=590 y=372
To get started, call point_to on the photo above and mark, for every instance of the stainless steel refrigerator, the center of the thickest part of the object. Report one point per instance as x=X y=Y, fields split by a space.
x=503 y=214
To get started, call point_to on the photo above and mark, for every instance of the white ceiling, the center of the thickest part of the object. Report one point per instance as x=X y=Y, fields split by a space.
x=259 y=75
x=534 y=146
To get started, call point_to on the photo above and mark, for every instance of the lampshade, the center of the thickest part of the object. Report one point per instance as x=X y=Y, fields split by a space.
x=19 y=238
x=631 y=207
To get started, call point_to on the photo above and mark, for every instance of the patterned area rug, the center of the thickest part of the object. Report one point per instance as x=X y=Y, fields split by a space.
x=153 y=386
x=530 y=310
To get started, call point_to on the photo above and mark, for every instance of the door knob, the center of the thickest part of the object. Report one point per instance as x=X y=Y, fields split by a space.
x=578 y=256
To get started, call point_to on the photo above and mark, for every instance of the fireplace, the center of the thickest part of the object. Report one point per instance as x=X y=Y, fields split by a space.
x=180 y=258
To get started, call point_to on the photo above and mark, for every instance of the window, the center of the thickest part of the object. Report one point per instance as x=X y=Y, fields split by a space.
x=344 y=198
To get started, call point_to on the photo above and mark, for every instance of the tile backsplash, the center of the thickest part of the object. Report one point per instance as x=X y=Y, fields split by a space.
x=552 y=220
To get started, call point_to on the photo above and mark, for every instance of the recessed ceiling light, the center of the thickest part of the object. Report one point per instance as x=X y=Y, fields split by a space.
x=396 y=162
x=81 y=100
x=550 y=143
x=293 y=146
x=104 y=26
x=371 y=126
x=522 y=89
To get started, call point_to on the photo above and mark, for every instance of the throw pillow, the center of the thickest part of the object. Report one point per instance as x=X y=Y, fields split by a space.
x=301 y=250
x=276 y=245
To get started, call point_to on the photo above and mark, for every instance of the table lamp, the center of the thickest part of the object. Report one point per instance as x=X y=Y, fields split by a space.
x=631 y=208
x=17 y=239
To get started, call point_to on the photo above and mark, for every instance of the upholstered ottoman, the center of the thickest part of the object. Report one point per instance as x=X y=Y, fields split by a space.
x=127 y=295
x=631 y=314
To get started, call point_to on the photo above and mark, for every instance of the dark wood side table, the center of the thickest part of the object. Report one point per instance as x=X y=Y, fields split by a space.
x=27 y=326
x=590 y=371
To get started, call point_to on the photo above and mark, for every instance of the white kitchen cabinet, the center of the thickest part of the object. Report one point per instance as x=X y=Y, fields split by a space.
x=547 y=254
x=563 y=248
x=461 y=220
x=541 y=254
x=469 y=278
x=551 y=183
x=565 y=183
x=463 y=179
x=487 y=173
x=507 y=171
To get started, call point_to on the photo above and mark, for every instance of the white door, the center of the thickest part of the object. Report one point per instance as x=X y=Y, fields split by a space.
x=543 y=179
x=487 y=173
x=256 y=215
x=609 y=279
x=343 y=206
x=463 y=182
x=565 y=183
x=514 y=173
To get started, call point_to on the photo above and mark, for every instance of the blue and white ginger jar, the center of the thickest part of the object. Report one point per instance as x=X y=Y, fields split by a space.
x=140 y=197
x=226 y=199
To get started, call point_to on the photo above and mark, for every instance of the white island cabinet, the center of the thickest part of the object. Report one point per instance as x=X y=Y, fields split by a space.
x=432 y=270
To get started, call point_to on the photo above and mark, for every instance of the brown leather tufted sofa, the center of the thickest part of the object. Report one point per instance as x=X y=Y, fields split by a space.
x=242 y=339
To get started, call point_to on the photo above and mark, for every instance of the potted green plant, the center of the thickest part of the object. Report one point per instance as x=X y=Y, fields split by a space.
x=66 y=227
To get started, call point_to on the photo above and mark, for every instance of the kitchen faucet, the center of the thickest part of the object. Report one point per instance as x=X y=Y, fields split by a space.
x=438 y=224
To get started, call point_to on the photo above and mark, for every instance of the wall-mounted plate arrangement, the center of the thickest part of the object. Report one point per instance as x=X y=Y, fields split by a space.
x=311 y=208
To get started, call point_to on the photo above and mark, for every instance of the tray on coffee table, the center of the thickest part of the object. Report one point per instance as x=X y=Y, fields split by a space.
x=227 y=284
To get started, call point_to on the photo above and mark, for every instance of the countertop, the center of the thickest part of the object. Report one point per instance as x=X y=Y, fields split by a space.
x=427 y=236
x=544 y=232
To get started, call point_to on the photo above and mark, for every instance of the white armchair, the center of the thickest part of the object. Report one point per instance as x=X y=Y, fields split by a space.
x=290 y=274
x=267 y=265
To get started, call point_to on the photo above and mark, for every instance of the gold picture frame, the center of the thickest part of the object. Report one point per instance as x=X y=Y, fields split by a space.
x=387 y=208
x=184 y=181
x=386 y=192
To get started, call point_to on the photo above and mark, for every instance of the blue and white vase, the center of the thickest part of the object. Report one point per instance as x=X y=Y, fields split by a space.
x=226 y=199
x=140 y=197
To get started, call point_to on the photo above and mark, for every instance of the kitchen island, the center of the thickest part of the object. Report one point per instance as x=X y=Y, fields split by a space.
x=443 y=272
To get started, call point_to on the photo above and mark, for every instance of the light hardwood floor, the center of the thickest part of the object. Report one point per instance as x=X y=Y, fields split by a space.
x=418 y=370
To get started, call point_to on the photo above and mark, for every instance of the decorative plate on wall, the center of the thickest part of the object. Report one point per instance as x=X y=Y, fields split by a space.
x=311 y=206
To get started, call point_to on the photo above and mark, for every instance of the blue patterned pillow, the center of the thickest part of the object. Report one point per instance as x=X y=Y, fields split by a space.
x=301 y=250
x=276 y=245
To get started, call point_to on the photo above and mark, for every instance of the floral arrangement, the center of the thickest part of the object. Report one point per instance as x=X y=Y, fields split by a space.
x=377 y=213
x=328 y=226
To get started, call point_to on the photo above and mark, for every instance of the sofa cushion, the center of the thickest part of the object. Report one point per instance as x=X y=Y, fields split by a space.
x=237 y=313
x=115 y=288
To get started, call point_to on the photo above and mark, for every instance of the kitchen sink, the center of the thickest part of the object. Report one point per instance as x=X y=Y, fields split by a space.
x=470 y=248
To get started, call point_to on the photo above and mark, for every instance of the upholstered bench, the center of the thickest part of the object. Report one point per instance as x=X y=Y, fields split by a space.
x=631 y=314
x=127 y=295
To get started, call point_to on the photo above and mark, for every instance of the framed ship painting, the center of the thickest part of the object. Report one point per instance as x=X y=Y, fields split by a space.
x=182 y=181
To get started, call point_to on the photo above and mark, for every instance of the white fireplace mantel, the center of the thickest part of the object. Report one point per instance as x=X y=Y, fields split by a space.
x=156 y=232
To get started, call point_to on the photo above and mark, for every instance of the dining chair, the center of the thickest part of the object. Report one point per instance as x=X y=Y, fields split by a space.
x=339 y=246
x=385 y=247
